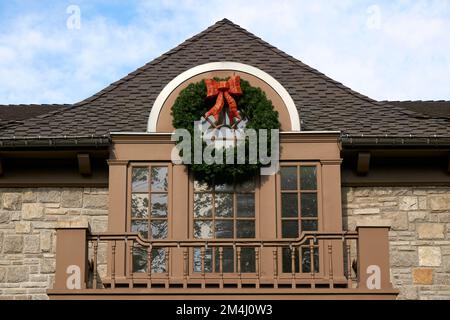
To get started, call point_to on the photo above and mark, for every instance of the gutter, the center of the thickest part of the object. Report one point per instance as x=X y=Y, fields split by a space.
x=55 y=142
x=347 y=141
x=350 y=142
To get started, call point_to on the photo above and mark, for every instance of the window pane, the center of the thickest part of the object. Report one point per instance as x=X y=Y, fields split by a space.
x=226 y=187
x=246 y=186
x=287 y=260
x=227 y=260
x=159 y=229
x=202 y=205
x=207 y=260
x=248 y=260
x=140 y=226
x=159 y=205
x=288 y=178
x=203 y=229
x=224 y=205
x=245 y=205
x=139 y=205
x=306 y=259
x=139 y=180
x=245 y=228
x=309 y=225
x=139 y=259
x=308 y=204
x=308 y=180
x=289 y=228
x=224 y=228
x=201 y=186
x=159 y=260
x=159 y=178
x=289 y=205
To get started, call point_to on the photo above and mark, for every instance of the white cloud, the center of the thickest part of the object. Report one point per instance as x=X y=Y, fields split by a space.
x=47 y=63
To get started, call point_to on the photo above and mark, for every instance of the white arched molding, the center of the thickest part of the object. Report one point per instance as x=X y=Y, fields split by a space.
x=221 y=66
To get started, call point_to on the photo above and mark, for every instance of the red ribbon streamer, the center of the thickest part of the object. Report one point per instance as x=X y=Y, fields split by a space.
x=223 y=89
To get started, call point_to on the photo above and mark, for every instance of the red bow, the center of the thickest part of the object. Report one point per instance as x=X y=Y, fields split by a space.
x=223 y=89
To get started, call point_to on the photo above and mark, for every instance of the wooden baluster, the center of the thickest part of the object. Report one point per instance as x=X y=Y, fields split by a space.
x=292 y=265
x=167 y=254
x=185 y=267
x=257 y=266
x=130 y=262
x=238 y=254
x=202 y=257
x=149 y=266
x=349 y=266
x=221 y=266
x=330 y=271
x=312 y=264
x=275 y=268
x=95 y=263
x=113 y=265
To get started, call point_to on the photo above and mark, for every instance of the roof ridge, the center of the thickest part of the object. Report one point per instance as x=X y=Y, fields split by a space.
x=157 y=60
x=302 y=64
x=324 y=76
x=36 y=105
x=276 y=50
x=407 y=101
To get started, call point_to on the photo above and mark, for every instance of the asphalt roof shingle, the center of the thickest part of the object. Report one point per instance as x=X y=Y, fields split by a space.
x=323 y=103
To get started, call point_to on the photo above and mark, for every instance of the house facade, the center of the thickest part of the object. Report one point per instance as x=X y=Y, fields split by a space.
x=94 y=207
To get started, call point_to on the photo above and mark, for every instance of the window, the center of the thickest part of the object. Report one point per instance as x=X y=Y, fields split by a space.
x=299 y=212
x=224 y=211
x=149 y=212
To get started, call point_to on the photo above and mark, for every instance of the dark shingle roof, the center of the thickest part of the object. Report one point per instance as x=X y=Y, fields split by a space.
x=323 y=103
x=13 y=112
x=12 y=115
x=430 y=109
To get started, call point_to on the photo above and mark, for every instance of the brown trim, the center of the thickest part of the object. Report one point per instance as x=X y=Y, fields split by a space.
x=363 y=164
x=224 y=294
x=114 y=162
x=84 y=164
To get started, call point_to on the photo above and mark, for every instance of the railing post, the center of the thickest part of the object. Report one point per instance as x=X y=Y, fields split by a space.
x=238 y=254
x=275 y=267
x=71 y=257
x=149 y=266
x=185 y=267
x=94 y=267
x=221 y=266
x=312 y=264
x=373 y=257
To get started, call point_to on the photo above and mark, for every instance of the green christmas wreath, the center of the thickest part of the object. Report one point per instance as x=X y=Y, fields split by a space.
x=253 y=105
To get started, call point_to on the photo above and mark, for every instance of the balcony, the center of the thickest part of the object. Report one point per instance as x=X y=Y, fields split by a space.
x=318 y=265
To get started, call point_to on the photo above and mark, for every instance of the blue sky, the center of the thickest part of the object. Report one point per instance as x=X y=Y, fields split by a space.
x=396 y=50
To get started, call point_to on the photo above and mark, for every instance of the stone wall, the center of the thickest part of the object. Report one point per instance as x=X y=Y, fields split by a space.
x=28 y=218
x=419 y=236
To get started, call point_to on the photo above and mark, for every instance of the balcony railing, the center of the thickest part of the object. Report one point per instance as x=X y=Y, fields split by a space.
x=336 y=261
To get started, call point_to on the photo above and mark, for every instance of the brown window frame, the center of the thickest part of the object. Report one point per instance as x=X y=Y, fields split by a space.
x=169 y=218
x=256 y=192
x=299 y=191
